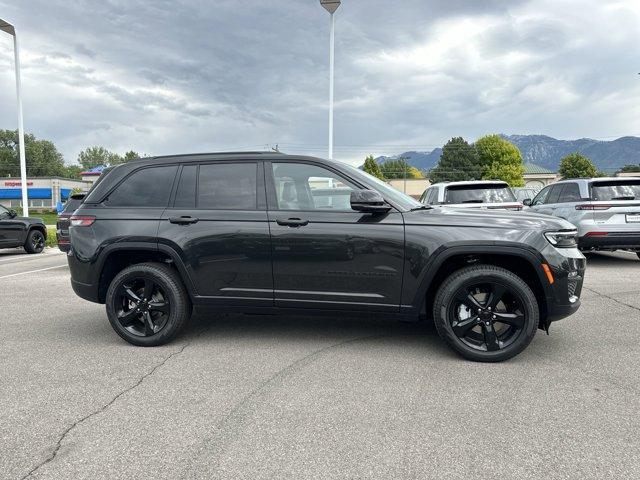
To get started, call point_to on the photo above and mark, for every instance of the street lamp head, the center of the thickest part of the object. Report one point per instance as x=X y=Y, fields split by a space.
x=330 y=5
x=7 y=27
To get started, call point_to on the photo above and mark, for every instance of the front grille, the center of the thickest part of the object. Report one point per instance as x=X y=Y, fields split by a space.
x=571 y=287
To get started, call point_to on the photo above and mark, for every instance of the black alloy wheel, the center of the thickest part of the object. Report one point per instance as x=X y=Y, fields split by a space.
x=487 y=316
x=147 y=304
x=141 y=306
x=35 y=242
x=486 y=313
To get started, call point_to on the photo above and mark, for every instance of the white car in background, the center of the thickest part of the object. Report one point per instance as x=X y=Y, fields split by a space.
x=606 y=211
x=486 y=194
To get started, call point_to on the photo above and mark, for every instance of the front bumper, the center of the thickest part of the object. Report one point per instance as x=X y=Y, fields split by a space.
x=568 y=267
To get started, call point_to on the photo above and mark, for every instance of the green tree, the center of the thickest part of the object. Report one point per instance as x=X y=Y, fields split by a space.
x=576 y=165
x=459 y=161
x=372 y=168
x=399 y=169
x=95 y=156
x=73 y=171
x=500 y=160
x=130 y=155
x=42 y=157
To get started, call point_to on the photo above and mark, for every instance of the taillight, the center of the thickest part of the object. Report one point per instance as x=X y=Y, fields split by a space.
x=588 y=206
x=81 y=221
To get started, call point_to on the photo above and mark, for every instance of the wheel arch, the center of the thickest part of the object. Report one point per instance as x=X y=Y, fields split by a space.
x=522 y=260
x=115 y=258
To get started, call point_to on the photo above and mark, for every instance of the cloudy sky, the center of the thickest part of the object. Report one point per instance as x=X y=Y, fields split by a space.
x=167 y=76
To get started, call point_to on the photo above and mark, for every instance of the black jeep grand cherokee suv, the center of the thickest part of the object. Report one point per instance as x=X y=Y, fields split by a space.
x=267 y=232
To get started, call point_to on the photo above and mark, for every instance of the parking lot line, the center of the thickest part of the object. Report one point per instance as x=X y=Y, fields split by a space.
x=32 y=271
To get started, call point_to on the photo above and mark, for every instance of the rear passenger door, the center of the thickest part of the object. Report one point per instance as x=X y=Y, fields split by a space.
x=569 y=197
x=217 y=224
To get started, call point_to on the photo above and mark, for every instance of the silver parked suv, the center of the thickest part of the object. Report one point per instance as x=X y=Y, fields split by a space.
x=606 y=211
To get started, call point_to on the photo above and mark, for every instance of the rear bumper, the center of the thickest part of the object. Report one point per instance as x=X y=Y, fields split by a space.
x=610 y=241
x=85 y=290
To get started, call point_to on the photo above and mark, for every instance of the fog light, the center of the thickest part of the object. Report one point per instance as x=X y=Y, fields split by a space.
x=572 y=274
x=573 y=299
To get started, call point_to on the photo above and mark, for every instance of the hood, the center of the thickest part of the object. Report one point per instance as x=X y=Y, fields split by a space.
x=476 y=217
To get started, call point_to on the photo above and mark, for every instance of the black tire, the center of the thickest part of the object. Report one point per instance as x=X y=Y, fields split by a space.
x=161 y=310
x=35 y=242
x=481 y=335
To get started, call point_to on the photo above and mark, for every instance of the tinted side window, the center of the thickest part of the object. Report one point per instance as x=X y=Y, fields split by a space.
x=570 y=193
x=186 y=192
x=228 y=186
x=554 y=194
x=149 y=187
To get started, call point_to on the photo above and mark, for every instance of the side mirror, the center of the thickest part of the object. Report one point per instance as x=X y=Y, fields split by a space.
x=527 y=202
x=368 y=201
x=12 y=213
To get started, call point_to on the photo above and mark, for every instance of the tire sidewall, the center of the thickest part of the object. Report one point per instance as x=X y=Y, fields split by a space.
x=480 y=274
x=176 y=306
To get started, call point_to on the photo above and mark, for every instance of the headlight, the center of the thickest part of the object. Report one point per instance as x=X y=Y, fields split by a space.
x=563 y=238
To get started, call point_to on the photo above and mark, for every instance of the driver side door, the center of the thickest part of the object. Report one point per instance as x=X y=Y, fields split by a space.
x=11 y=230
x=326 y=255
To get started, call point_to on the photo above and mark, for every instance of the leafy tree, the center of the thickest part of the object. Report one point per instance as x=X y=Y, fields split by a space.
x=42 y=157
x=95 y=156
x=459 y=161
x=372 y=168
x=500 y=160
x=576 y=165
x=399 y=169
x=73 y=171
x=130 y=155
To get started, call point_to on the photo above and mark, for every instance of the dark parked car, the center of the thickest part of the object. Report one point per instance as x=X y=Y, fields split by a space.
x=16 y=231
x=245 y=232
x=62 y=225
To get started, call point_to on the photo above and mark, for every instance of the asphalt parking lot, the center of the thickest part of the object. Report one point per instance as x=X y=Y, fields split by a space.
x=292 y=397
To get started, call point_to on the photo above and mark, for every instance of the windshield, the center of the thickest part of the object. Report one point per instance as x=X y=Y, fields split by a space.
x=388 y=192
x=486 y=193
x=616 y=190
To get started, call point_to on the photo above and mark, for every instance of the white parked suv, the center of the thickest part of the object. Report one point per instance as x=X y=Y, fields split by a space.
x=606 y=211
x=472 y=194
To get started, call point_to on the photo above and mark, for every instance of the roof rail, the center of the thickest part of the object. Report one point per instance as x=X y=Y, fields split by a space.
x=218 y=154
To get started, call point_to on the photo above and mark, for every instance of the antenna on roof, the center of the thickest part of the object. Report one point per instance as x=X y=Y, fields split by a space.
x=275 y=149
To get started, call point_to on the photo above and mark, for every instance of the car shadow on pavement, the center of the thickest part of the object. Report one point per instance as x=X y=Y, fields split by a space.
x=278 y=328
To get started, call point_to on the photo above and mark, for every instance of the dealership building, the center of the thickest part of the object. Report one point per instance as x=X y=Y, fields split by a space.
x=43 y=192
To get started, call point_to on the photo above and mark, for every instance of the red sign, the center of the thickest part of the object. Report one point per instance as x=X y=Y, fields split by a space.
x=16 y=184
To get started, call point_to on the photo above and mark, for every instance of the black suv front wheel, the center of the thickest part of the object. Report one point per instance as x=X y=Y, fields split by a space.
x=486 y=313
x=147 y=304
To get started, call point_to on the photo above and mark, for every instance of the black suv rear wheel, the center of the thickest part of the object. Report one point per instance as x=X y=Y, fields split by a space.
x=147 y=304
x=486 y=313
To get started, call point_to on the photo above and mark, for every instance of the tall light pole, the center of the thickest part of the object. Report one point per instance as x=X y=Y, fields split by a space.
x=8 y=28
x=331 y=6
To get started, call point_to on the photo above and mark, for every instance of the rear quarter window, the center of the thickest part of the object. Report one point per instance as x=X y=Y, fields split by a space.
x=147 y=187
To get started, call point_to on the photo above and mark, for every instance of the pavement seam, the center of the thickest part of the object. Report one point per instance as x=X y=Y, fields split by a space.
x=611 y=298
x=285 y=371
x=58 y=445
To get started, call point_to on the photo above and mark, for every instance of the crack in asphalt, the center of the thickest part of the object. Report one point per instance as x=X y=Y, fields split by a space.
x=611 y=298
x=273 y=380
x=104 y=407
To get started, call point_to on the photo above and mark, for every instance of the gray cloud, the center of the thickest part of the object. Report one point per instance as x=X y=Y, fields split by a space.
x=169 y=76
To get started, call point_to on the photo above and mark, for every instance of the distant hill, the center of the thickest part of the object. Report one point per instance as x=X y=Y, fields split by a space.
x=547 y=152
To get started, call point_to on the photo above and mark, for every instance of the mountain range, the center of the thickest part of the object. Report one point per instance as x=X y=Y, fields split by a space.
x=607 y=156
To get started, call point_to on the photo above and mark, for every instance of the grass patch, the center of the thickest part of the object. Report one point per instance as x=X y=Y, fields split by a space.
x=51 y=238
x=49 y=218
